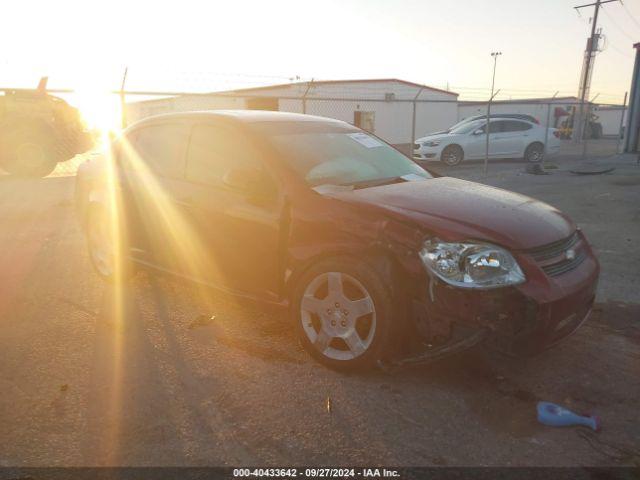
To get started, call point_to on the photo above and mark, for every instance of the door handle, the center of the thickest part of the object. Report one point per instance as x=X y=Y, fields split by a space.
x=185 y=201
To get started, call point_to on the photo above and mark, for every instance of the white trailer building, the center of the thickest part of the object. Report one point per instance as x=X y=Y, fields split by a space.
x=612 y=118
x=536 y=107
x=557 y=109
x=382 y=106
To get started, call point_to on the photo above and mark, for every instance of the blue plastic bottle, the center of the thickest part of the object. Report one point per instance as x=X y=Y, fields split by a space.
x=557 y=416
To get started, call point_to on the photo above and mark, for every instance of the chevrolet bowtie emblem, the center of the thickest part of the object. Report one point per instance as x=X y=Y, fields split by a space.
x=570 y=254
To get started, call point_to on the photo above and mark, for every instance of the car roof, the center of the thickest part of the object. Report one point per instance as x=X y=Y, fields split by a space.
x=244 y=116
x=500 y=117
x=521 y=120
x=511 y=116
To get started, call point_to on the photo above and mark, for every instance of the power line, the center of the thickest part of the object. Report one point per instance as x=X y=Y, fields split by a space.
x=620 y=29
x=621 y=52
x=635 y=20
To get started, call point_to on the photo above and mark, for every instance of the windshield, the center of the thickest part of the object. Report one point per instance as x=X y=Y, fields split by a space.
x=467 y=127
x=456 y=125
x=464 y=121
x=338 y=155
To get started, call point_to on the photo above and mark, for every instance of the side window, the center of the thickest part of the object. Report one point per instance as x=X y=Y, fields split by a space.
x=496 y=126
x=515 y=126
x=214 y=149
x=162 y=148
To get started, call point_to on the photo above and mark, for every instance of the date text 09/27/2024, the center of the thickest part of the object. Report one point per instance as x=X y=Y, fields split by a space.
x=316 y=472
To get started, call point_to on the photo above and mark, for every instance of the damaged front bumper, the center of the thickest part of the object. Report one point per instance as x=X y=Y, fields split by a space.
x=520 y=320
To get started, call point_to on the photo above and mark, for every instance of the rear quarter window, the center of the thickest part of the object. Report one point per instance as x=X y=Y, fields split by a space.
x=161 y=148
x=515 y=126
x=215 y=149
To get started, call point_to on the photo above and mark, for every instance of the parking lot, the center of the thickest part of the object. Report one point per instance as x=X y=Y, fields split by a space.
x=177 y=383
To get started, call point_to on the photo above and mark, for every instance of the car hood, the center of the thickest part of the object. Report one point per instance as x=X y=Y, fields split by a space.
x=433 y=134
x=457 y=209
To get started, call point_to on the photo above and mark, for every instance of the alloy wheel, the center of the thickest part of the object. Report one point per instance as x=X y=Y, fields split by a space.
x=452 y=156
x=535 y=155
x=338 y=316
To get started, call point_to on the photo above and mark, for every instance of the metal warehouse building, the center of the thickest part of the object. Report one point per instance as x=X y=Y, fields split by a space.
x=385 y=107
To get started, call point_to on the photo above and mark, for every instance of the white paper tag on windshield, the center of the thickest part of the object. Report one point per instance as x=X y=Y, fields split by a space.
x=328 y=189
x=412 y=177
x=365 y=140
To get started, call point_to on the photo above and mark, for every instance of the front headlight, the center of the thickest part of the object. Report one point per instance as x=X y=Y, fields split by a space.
x=432 y=143
x=471 y=265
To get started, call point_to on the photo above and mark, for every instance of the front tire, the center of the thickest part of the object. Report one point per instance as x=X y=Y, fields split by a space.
x=342 y=311
x=452 y=155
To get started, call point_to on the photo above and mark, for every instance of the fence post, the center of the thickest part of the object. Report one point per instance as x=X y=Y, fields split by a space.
x=413 y=123
x=304 y=97
x=123 y=104
x=587 y=121
x=546 y=131
x=621 y=132
x=486 y=156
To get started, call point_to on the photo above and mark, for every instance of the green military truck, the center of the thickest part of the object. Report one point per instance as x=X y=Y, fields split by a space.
x=37 y=131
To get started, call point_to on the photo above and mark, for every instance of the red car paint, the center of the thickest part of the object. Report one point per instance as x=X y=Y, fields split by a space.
x=269 y=246
x=394 y=220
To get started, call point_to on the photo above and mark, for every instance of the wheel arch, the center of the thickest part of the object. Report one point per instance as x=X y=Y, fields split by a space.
x=535 y=142
x=383 y=260
x=450 y=146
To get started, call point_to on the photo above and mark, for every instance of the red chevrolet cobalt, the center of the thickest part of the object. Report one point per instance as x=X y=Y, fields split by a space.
x=373 y=256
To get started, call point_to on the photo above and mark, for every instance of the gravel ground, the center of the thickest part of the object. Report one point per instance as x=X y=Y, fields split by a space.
x=176 y=383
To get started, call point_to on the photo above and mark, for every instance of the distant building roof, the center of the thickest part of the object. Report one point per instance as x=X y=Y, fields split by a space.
x=522 y=100
x=337 y=82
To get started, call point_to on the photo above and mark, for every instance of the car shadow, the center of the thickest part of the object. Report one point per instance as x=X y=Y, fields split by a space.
x=128 y=404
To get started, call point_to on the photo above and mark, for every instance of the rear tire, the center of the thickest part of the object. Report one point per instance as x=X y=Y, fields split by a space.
x=342 y=310
x=452 y=155
x=534 y=153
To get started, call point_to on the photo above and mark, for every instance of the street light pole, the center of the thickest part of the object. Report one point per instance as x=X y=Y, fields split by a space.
x=495 y=56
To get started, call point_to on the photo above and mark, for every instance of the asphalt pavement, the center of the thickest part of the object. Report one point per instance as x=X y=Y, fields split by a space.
x=173 y=382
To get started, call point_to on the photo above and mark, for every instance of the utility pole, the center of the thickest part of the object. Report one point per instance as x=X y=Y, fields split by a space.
x=495 y=56
x=585 y=81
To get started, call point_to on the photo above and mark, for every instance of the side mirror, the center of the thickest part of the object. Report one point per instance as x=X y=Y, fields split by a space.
x=251 y=181
x=478 y=132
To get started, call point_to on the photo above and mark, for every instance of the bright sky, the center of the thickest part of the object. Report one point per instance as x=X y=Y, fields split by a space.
x=211 y=45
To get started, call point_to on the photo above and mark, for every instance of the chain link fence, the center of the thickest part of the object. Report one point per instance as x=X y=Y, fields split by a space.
x=397 y=119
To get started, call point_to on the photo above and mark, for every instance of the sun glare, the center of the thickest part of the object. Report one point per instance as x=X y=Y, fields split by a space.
x=100 y=109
